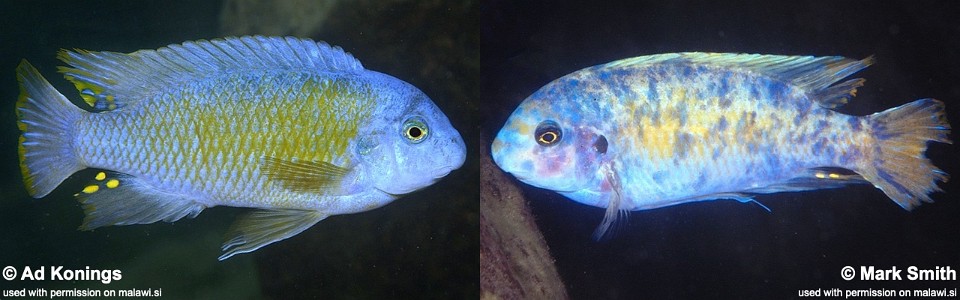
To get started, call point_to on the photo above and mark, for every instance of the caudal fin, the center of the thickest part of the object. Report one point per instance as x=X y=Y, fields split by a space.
x=47 y=120
x=898 y=165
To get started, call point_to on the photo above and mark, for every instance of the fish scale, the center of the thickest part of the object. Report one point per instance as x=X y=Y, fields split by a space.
x=696 y=127
x=151 y=127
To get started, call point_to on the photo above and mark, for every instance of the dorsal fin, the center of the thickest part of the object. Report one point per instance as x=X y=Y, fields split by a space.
x=814 y=74
x=108 y=80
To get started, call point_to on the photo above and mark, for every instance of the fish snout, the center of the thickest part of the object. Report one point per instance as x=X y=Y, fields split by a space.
x=506 y=156
x=498 y=151
x=456 y=154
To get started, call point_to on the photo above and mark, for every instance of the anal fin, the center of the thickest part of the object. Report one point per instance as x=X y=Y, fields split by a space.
x=266 y=226
x=120 y=199
x=741 y=197
x=813 y=179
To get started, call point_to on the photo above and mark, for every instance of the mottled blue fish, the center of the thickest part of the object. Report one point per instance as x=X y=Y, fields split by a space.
x=659 y=130
x=296 y=128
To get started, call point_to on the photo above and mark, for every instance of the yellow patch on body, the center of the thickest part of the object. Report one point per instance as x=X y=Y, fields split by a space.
x=658 y=140
x=211 y=138
x=658 y=136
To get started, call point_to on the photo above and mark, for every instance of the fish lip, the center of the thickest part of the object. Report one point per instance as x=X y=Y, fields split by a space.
x=566 y=191
x=435 y=179
x=447 y=169
x=432 y=182
x=519 y=177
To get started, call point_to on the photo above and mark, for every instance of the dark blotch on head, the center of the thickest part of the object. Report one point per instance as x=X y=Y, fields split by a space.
x=600 y=145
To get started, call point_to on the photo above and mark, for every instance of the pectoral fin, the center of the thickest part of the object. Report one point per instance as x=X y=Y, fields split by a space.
x=616 y=208
x=118 y=199
x=263 y=227
x=302 y=175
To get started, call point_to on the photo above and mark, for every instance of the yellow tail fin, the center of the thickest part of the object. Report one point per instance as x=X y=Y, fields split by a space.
x=897 y=163
x=48 y=122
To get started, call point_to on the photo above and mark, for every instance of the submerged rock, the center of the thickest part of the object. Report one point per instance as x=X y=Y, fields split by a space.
x=515 y=262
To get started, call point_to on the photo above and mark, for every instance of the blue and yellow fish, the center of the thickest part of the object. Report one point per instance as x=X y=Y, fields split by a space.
x=659 y=130
x=298 y=129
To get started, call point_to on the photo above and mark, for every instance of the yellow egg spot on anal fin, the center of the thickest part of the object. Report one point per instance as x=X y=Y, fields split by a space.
x=90 y=189
x=101 y=176
x=301 y=175
x=133 y=202
x=833 y=176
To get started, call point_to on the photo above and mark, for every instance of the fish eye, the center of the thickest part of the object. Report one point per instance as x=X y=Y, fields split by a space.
x=415 y=130
x=548 y=133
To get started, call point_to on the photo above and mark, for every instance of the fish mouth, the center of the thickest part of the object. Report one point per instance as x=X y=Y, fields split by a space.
x=519 y=177
x=566 y=191
x=444 y=171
